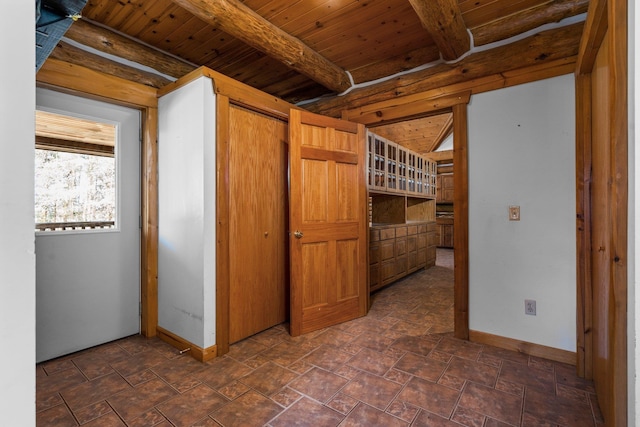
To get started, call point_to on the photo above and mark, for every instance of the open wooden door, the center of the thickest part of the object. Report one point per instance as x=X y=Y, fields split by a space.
x=328 y=222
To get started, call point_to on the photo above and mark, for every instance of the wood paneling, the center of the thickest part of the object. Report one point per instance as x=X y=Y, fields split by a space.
x=545 y=47
x=328 y=220
x=257 y=222
x=370 y=39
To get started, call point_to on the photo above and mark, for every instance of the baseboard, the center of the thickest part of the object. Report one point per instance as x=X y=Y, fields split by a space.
x=538 y=350
x=198 y=353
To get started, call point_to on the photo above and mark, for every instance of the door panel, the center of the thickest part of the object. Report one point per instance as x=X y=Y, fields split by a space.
x=88 y=282
x=328 y=212
x=258 y=233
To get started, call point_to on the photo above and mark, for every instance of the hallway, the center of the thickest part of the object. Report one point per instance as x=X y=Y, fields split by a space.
x=398 y=366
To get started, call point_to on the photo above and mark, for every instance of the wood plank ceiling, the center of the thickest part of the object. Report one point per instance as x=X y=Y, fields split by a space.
x=303 y=49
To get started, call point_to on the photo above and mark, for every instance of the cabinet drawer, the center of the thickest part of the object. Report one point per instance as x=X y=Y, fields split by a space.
x=412 y=242
x=432 y=239
x=432 y=226
x=422 y=228
x=401 y=247
x=374 y=253
x=401 y=231
x=387 y=233
x=387 y=249
x=374 y=234
x=412 y=229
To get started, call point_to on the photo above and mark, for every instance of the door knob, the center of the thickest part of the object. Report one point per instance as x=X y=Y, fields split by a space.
x=298 y=234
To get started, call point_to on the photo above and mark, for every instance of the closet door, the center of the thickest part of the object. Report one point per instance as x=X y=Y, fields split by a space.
x=258 y=216
x=328 y=222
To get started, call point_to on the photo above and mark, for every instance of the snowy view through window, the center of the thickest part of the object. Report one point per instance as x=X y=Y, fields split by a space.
x=72 y=187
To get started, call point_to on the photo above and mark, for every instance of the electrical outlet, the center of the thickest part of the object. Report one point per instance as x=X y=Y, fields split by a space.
x=530 y=307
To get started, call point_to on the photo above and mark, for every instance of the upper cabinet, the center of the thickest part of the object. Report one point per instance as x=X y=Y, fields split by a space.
x=395 y=169
x=445 y=188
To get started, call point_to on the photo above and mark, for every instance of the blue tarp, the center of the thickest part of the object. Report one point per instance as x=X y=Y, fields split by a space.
x=53 y=19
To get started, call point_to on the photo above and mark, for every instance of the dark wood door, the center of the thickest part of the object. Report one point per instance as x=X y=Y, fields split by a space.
x=328 y=222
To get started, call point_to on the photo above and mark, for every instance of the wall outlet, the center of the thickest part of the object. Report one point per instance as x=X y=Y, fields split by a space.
x=530 y=307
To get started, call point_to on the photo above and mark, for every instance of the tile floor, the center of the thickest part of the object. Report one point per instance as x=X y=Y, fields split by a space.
x=398 y=366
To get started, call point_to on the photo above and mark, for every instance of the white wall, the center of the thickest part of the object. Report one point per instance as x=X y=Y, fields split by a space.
x=187 y=212
x=522 y=152
x=17 y=259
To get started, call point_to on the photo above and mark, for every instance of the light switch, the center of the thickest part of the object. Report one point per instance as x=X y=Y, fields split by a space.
x=514 y=213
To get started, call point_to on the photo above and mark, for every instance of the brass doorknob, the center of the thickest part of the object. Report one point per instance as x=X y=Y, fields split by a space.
x=298 y=234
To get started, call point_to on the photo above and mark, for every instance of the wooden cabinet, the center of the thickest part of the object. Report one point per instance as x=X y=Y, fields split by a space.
x=445 y=232
x=396 y=250
x=402 y=190
x=444 y=188
x=392 y=168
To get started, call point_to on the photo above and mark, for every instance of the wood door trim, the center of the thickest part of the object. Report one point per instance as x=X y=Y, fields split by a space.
x=618 y=62
x=584 y=293
x=461 y=222
x=223 y=279
x=461 y=195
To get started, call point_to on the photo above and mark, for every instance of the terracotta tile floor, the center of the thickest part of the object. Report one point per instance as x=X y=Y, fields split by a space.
x=398 y=366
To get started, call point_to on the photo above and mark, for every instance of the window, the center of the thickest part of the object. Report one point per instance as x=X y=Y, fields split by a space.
x=75 y=173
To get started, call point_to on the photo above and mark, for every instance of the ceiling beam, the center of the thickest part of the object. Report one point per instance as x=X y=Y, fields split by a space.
x=528 y=19
x=107 y=41
x=548 y=47
x=443 y=20
x=73 y=55
x=440 y=156
x=239 y=21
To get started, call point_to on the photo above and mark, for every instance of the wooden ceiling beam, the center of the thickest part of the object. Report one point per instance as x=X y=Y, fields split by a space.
x=532 y=53
x=239 y=21
x=443 y=20
x=440 y=156
x=107 y=41
x=528 y=19
x=73 y=55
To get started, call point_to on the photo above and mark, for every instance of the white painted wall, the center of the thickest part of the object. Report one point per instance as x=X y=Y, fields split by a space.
x=522 y=152
x=187 y=213
x=17 y=258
